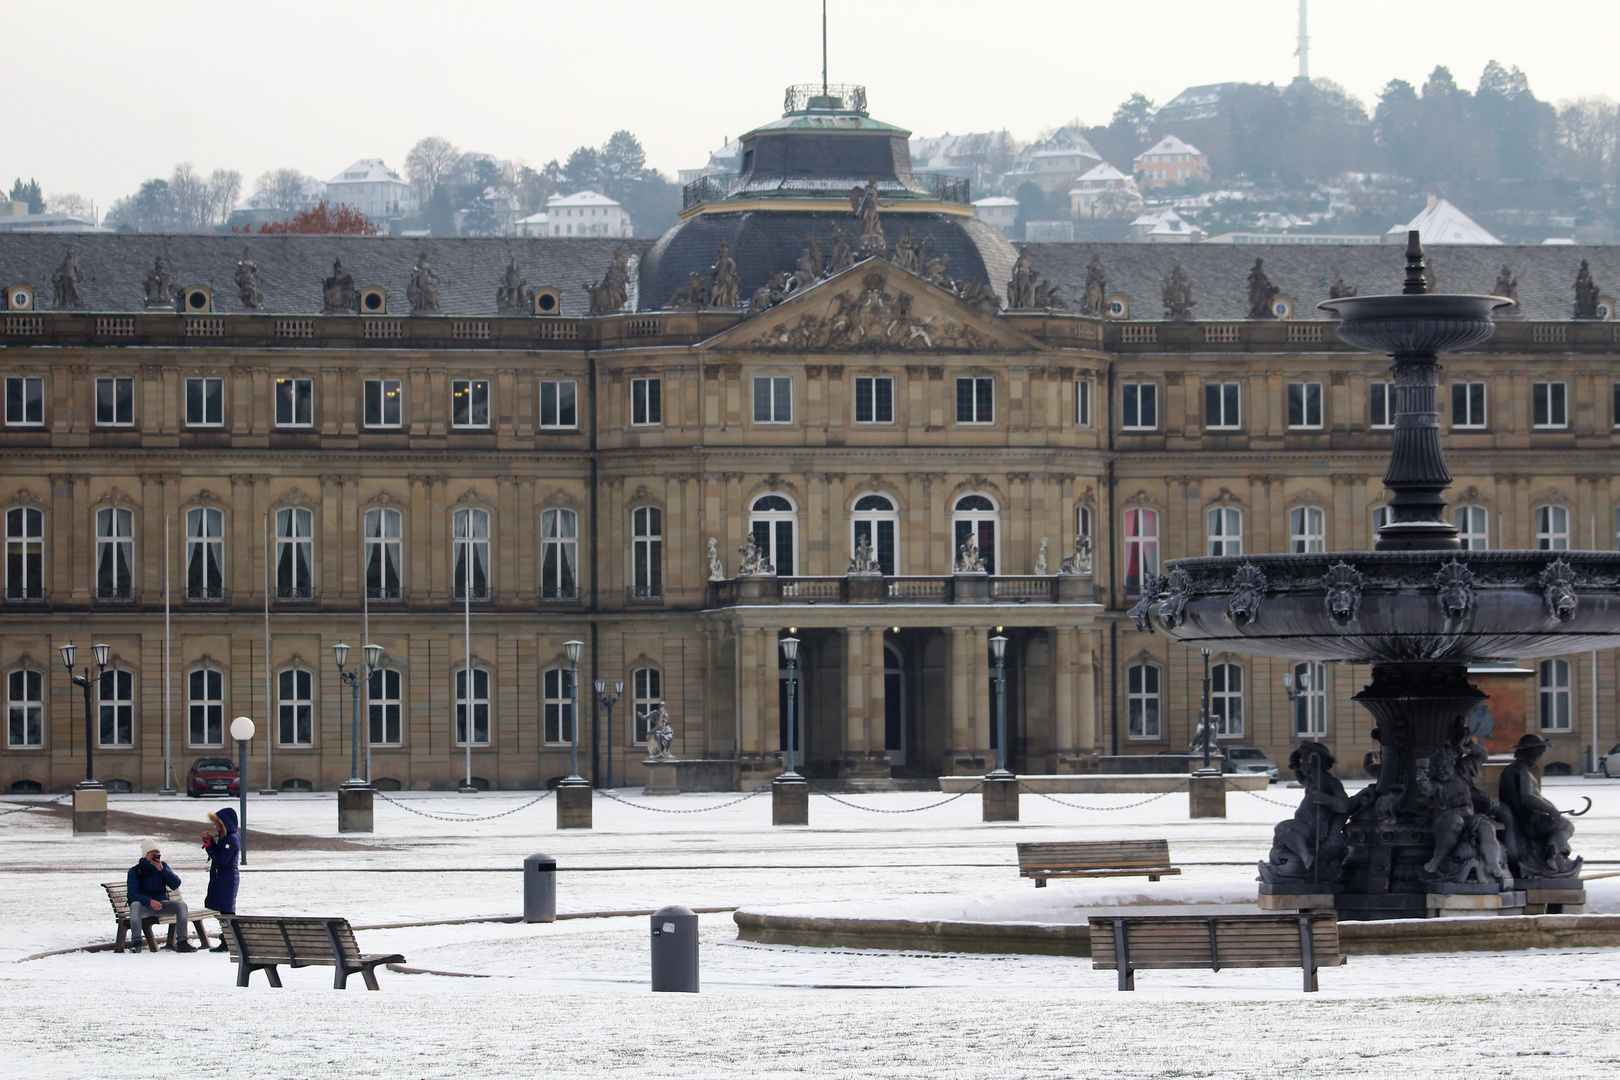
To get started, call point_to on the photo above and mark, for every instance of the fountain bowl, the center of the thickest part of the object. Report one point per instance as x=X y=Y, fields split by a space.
x=1406 y=324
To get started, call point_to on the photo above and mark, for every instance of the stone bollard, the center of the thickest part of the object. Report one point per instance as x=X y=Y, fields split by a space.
x=790 y=801
x=1001 y=798
x=354 y=807
x=574 y=803
x=89 y=808
x=675 y=950
x=1206 y=794
x=539 y=889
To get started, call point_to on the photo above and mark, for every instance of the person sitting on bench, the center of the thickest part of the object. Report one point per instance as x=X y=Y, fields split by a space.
x=148 y=888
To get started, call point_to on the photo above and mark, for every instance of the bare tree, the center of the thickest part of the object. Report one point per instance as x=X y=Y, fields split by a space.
x=189 y=198
x=429 y=163
x=224 y=189
x=285 y=189
x=1589 y=137
x=68 y=203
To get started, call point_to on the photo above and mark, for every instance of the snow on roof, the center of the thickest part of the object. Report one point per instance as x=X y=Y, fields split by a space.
x=582 y=198
x=1100 y=174
x=535 y=219
x=1170 y=145
x=1442 y=223
x=312 y=189
x=996 y=200
x=1159 y=217
x=366 y=171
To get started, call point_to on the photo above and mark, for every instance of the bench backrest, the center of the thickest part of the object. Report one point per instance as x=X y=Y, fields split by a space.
x=1186 y=941
x=274 y=939
x=118 y=897
x=1095 y=853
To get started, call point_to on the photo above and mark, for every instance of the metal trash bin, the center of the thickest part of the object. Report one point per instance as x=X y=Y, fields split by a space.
x=675 y=950
x=539 y=889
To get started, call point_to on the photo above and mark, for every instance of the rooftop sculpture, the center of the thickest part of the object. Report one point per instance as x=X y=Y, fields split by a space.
x=247 y=282
x=160 y=286
x=511 y=296
x=66 y=281
x=423 y=291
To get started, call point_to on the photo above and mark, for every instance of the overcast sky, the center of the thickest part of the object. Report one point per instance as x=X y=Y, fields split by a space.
x=103 y=94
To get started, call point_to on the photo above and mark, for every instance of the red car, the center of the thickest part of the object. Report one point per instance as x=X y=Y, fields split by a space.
x=213 y=776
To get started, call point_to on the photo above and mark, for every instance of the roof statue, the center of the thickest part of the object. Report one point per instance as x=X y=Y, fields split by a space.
x=160 y=286
x=1091 y=301
x=1021 y=286
x=1431 y=276
x=1261 y=292
x=1177 y=294
x=770 y=294
x=247 y=282
x=903 y=257
x=511 y=296
x=1507 y=285
x=934 y=272
x=1586 y=293
x=694 y=295
x=808 y=271
x=864 y=562
x=423 y=291
x=1047 y=298
x=864 y=201
x=841 y=258
x=337 y=291
x=610 y=294
x=977 y=294
x=1338 y=290
x=65 y=282
x=723 y=279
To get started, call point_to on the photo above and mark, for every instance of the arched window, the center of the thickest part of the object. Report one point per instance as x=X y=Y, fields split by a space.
x=874 y=520
x=1552 y=528
x=115 y=553
x=647 y=690
x=559 y=560
x=1142 y=693
x=559 y=703
x=1310 y=699
x=1225 y=530
x=205 y=707
x=1307 y=529
x=1473 y=527
x=1226 y=698
x=975 y=518
x=383 y=708
x=25 y=708
x=116 y=708
x=384 y=557
x=646 y=553
x=1555 y=696
x=471 y=536
x=479 y=704
x=295 y=708
x=1141 y=548
x=205 y=553
x=772 y=521
x=25 y=553
x=295 y=553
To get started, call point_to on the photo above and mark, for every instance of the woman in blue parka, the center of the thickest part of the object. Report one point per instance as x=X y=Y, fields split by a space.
x=223 y=847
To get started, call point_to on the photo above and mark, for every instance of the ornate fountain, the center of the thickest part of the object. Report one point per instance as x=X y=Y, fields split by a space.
x=1423 y=837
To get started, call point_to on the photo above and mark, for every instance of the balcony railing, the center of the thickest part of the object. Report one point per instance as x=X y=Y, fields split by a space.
x=559 y=594
x=480 y=593
x=295 y=594
x=385 y=594
x=116 y=594
x=25 y=594
x=644 y=594
x=942 y=589
x=936 y=186
x=205 y=594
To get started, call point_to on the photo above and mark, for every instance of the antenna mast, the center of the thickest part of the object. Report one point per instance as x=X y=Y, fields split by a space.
x=1304 y=52
x=824 y=41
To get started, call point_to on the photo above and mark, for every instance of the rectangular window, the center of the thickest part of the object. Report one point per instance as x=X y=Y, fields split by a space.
x=1556 y=705
x=559 y=705
x=1139 y=406
x=383 y=708
x=115 y=553
x=1304 y=404
x=295 y=708
x=1381 y=412
x=25 y=400
x=116 y=709
x=295 y=402
x=1307 y=529
x=384 y=398
x=559 y=560
x=205 y=402
x=647 y=553
x=205 y=553
x=470 y=538
x=559 y=403
x=1473 y=527
x=1226 y=699
x=646 y=402
x=25 y=709
x=480 y=707
x=383 y=554
x=975 y=401
x=874 y=400
x=647 y=688
x=1467 y=404
x=1142 y=681
x=1616 y=411
x=469 y=403
x=205 y=708
x=773 y=399
x=25 y=553
x=115 y=402
x=1225 y=530
x=1141 y=548
x=1552 y=528
x=1082 y=402
x=1549 y=408
x=1221 y=405
x=1310 y=699
x=295 y=554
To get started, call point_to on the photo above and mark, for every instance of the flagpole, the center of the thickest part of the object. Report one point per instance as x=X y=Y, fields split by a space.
x=168 y=767
x=269 y=733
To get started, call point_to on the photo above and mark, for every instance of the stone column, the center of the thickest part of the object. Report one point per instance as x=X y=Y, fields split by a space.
x=758 y=752
x=1086 y=697
x=963 y=757
x=864 y=754
x=1063 y=737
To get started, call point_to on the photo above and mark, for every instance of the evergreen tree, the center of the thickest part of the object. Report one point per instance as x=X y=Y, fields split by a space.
x=29 y=193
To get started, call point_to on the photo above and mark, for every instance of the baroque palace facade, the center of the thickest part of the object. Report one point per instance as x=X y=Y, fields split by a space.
x=925 y=439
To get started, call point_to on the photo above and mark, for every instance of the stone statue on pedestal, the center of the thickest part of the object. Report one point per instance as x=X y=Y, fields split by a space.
x=160 y=287
x=1040 y=560
x=66 y=282
x=1177 y=294
x=864 y=561
x=1507 y=285
x=1311 y=845
x=1096 y=291
x=1586 y=293
x=423 y=291
x=1078 y=563
x=864 y=201
x=511 y=295
x=723 y=279
x=717 y=572
x=840 y=258
x=247 y=282
x=609 y=295
x=753 y=562
x=1261 y=292
x=1021 y=286
x=337 y=291
x=968 y=559
x=660 y=734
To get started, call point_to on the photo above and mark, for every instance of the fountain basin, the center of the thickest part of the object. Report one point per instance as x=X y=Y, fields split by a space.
x=1431 y=323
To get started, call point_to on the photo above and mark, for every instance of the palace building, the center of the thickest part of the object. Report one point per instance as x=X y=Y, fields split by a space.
x=829 y=403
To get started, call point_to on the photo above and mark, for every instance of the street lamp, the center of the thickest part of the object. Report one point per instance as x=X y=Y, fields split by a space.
x=790 y=652
x=1294 y=696
x=242 y=730
x=608 y=701
x=84 y=680
x=1203 y=712
x=572 y=649
x=998 y=649
x=340 y=653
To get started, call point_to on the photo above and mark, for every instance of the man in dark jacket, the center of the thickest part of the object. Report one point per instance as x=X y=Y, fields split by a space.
x=148 y=883
x=223 y=847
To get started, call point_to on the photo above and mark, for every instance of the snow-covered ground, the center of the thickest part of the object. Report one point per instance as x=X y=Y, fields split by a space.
x=571 y=998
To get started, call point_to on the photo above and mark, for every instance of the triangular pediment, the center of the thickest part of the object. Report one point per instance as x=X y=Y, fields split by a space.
x=873 y=307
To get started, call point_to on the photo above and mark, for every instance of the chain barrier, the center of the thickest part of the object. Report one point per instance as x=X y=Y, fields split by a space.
x=36 y=805
x=605 y=793
x=1127 y=806
x=461 y=818
x=1273 y=802
x=909 y=810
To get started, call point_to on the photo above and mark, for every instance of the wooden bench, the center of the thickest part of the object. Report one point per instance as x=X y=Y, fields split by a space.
x=1096 y=858
x=263 y=942
x=1130 y=943
x=118 y=896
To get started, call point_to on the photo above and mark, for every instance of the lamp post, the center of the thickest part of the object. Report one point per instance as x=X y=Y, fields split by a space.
x=998 y=649
x=89 y=797
x=790 y=792
x=574 y=791
x=1294 y=696
x=1203 y=712
x=242 y=730
x=355 y=796
x=790 y=653
x=1206 y=788
x=608 y=701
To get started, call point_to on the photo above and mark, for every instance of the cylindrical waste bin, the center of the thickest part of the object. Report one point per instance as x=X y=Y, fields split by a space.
x=675 y=950
x=539 y=889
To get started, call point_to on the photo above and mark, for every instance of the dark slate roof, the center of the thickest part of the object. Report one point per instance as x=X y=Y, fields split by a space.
x=764 y=242
x=1220 y=272
x=291 y=268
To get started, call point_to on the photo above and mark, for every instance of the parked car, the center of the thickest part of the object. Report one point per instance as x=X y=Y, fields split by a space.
x=1250 y=759
x=1610 y=763
x=213 y=776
